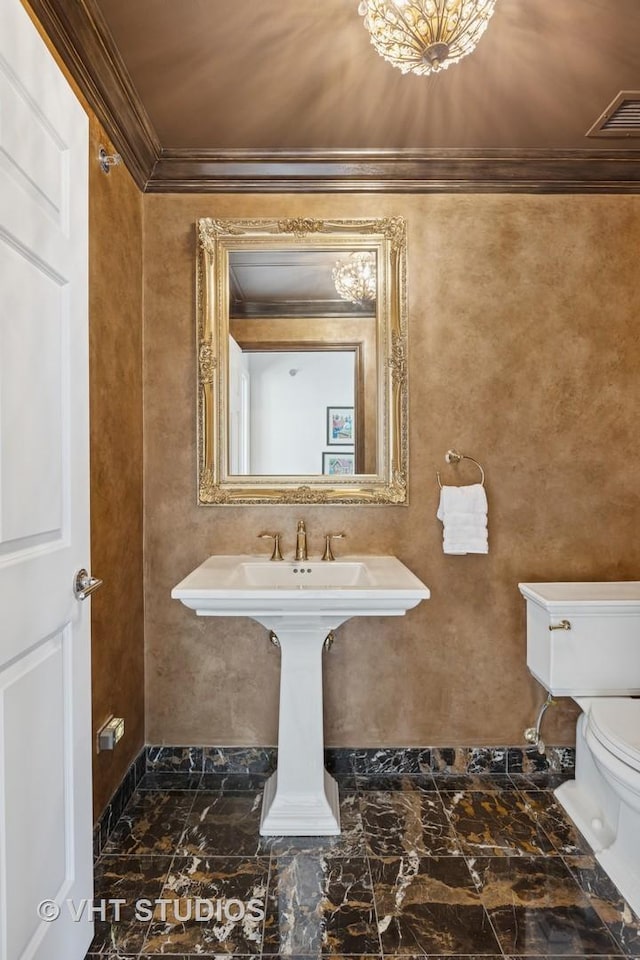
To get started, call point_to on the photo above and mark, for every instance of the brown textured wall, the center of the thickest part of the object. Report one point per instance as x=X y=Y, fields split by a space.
x=115 y=343
x=524 y=347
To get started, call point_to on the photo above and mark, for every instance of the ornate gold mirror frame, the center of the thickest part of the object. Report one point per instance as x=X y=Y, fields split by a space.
x=217 y=239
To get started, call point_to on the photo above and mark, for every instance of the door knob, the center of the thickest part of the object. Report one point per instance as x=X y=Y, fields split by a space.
x=84 y=585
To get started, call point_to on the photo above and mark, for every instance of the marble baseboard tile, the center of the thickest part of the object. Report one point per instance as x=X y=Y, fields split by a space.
x=387 y=760
x=472 y=760
x=527 y=760
x=339 y=760
x=113 y=810
x=239 y=759
x=164 y=759
x=494 y=760
x=175 y=759
x=141 y=764
x=367 y=761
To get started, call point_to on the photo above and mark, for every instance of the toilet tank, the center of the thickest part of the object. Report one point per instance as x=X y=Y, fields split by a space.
x=583 y=639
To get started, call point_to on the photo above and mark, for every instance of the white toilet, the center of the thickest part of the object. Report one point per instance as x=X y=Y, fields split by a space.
x=583 y=641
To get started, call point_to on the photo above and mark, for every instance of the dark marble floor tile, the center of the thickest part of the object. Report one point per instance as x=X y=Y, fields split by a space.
x=328 y=956
x=130 y=879
x=430 y=906
x=320 y=906
x=233 y=782
x=169 y=780
x=612 y=909
x=538 y=909
x=223 y=825
x=350 y=842
x=151 y=823
x=565 y=837
x=410 y=821
x=117 y=955
x=186 y=759
x=217 y=881
x=396 y=781
x=497 y=825
x=479 y=782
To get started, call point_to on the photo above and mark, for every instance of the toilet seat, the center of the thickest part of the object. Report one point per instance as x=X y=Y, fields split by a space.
x=615 y=723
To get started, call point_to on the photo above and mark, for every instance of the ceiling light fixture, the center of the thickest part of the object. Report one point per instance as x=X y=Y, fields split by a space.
x=425 y=36
x=355 y=278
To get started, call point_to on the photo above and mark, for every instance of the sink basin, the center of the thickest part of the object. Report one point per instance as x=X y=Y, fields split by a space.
x=313 y=575
x=301 y=603
x=245 y=586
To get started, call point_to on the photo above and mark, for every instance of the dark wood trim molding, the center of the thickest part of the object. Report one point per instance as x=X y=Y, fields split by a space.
x=82 y=38
x=398 y=171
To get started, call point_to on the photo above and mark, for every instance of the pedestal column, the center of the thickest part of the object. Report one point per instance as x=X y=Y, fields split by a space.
x=301 y=798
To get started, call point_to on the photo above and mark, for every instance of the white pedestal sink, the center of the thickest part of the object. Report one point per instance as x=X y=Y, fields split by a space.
x=301 y=602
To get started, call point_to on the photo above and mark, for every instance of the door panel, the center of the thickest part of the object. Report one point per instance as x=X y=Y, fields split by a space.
x=32 y=335
x=36 y=678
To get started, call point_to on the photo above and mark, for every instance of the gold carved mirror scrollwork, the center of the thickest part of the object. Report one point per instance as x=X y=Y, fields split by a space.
x=302 y=361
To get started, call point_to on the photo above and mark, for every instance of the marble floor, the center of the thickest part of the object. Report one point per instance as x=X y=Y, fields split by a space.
x=456 y=866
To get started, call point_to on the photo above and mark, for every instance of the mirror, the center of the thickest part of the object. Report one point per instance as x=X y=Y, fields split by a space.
x=302 y=393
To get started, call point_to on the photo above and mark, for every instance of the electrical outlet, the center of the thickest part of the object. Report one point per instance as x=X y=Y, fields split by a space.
x=110 y=733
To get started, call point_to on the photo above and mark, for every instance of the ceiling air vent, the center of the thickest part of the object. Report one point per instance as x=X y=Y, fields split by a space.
x=621 y=118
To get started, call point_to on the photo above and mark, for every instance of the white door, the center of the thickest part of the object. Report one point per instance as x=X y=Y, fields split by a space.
x=45 y=724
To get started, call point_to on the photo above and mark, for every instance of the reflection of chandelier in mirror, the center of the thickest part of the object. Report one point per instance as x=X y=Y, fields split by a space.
x=355 y=278
x=424 y=36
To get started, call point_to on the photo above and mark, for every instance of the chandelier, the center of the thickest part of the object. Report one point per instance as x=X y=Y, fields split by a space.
x=424 y=36
x=355 y=278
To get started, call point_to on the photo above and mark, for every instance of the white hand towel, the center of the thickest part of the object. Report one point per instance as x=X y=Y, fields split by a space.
x=463 y=512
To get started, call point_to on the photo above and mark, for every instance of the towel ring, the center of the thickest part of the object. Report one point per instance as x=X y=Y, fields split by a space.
x=454 y=456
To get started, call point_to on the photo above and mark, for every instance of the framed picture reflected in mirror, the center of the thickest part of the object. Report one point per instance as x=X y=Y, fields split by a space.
x=338 y=463
x=340 y=426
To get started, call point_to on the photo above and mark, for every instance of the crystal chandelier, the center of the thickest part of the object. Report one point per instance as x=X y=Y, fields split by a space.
x=355 y=278
x=424 y=36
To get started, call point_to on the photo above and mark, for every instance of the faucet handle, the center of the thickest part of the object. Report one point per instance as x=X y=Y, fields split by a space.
x=328 y=537
x=276 y=555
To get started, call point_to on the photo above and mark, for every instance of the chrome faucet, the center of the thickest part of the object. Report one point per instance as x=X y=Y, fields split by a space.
x=301 y=541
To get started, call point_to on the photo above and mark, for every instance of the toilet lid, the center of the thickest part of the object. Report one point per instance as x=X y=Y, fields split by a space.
x=615 y=722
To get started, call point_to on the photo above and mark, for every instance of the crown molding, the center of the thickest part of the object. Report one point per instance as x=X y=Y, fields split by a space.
x=84 y=43
x=396 y=171
x=82 y=39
